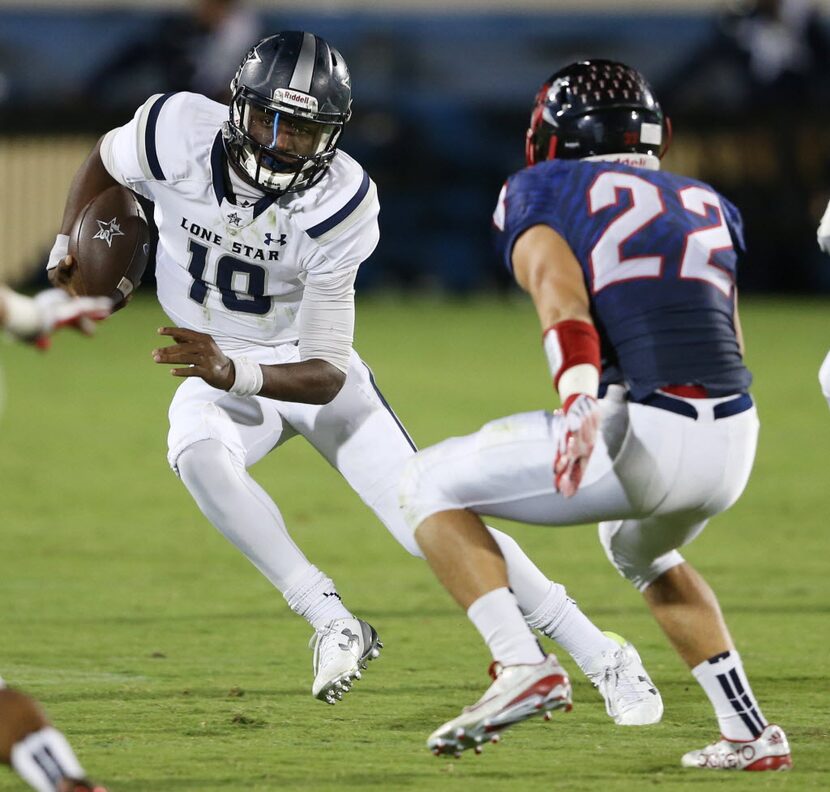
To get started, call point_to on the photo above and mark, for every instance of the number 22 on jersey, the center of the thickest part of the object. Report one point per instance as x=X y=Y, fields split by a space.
x=607 y=263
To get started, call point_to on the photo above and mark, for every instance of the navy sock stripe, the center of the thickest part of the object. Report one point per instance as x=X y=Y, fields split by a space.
x=50 y=769
x=718 y=657
x=61 y=769
x=737 y=705
x=748 y=703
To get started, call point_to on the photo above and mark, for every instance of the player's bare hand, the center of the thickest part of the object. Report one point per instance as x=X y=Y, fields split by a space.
x=199 y=355
x=581 y=416
x=61 y=276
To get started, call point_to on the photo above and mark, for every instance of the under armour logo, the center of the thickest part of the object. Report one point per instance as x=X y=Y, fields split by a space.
x=269 y=239
x=234 y=219
x=107 y=231
x=351 y=640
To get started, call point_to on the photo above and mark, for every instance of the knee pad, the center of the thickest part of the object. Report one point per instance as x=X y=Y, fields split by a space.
x=633 y=554
x=207 y=423
x=205 y=468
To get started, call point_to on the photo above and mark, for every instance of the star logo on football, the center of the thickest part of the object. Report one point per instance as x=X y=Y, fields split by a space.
x=107 y=231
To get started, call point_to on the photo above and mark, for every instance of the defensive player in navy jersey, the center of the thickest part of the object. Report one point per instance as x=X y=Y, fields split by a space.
x=632 y=273
x=263 y=222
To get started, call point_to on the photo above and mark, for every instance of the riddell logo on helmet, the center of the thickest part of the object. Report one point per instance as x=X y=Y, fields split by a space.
x=295 y=99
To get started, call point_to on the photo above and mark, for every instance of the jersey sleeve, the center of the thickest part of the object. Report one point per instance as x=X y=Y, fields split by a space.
x=735 y=223
x=529 y=198
x=344 y=227
x=152 y=147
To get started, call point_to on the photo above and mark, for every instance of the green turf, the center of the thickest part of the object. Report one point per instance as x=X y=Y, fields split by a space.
x=172 y=665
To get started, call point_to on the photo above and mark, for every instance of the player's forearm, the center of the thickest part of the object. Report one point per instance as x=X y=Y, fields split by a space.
x=309 y=382
x=91 y=179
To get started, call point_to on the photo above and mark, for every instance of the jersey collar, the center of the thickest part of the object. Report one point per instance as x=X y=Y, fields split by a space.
x=222 y=188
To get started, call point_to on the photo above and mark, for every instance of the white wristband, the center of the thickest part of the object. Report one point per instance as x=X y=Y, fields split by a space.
x=248 y=379
x=59 y=251
x=581 y=378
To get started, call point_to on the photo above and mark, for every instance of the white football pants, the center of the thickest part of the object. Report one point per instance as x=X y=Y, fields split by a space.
x=654 y=478
x=357 y=433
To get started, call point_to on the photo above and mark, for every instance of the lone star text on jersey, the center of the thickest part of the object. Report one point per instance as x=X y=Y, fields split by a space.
x=257 y=254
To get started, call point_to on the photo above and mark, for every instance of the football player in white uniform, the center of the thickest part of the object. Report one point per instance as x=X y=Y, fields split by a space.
x=262 y=224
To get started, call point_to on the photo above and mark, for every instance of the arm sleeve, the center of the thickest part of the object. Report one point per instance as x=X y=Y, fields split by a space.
x=735 y=223
x=528 y=198
x=326 y=321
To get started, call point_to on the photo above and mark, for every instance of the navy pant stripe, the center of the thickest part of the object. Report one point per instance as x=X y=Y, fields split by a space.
x=390 y=410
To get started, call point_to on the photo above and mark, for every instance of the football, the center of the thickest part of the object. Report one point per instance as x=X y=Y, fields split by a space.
x=110 y=242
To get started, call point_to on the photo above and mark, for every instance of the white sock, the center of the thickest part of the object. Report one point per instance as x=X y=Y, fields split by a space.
x=315 y=598
x=497 y=617
x=242 y=511
x=44 y=758
x=723 y=679
x=560 y=618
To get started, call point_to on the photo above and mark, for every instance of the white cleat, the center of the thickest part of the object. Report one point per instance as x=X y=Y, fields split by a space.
x=518 y=692
x=768 y=751
x=631 y=698
x=341 y=649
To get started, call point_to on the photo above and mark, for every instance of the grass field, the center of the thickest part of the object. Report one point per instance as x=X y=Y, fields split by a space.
x=172 y=665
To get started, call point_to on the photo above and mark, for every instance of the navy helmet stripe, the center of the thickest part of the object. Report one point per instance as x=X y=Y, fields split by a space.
x=390 y=410
x=304 y=68
x=339 y=216
x=150 y=137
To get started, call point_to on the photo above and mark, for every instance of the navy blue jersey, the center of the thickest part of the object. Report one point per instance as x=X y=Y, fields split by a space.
x=658 y=252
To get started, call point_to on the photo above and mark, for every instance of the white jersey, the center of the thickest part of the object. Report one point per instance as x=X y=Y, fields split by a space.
x=231 y=270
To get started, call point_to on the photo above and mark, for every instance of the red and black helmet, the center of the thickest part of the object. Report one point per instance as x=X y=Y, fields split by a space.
x=595 y=107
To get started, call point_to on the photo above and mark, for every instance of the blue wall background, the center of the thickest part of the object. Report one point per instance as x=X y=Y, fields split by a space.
x=440 y=108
